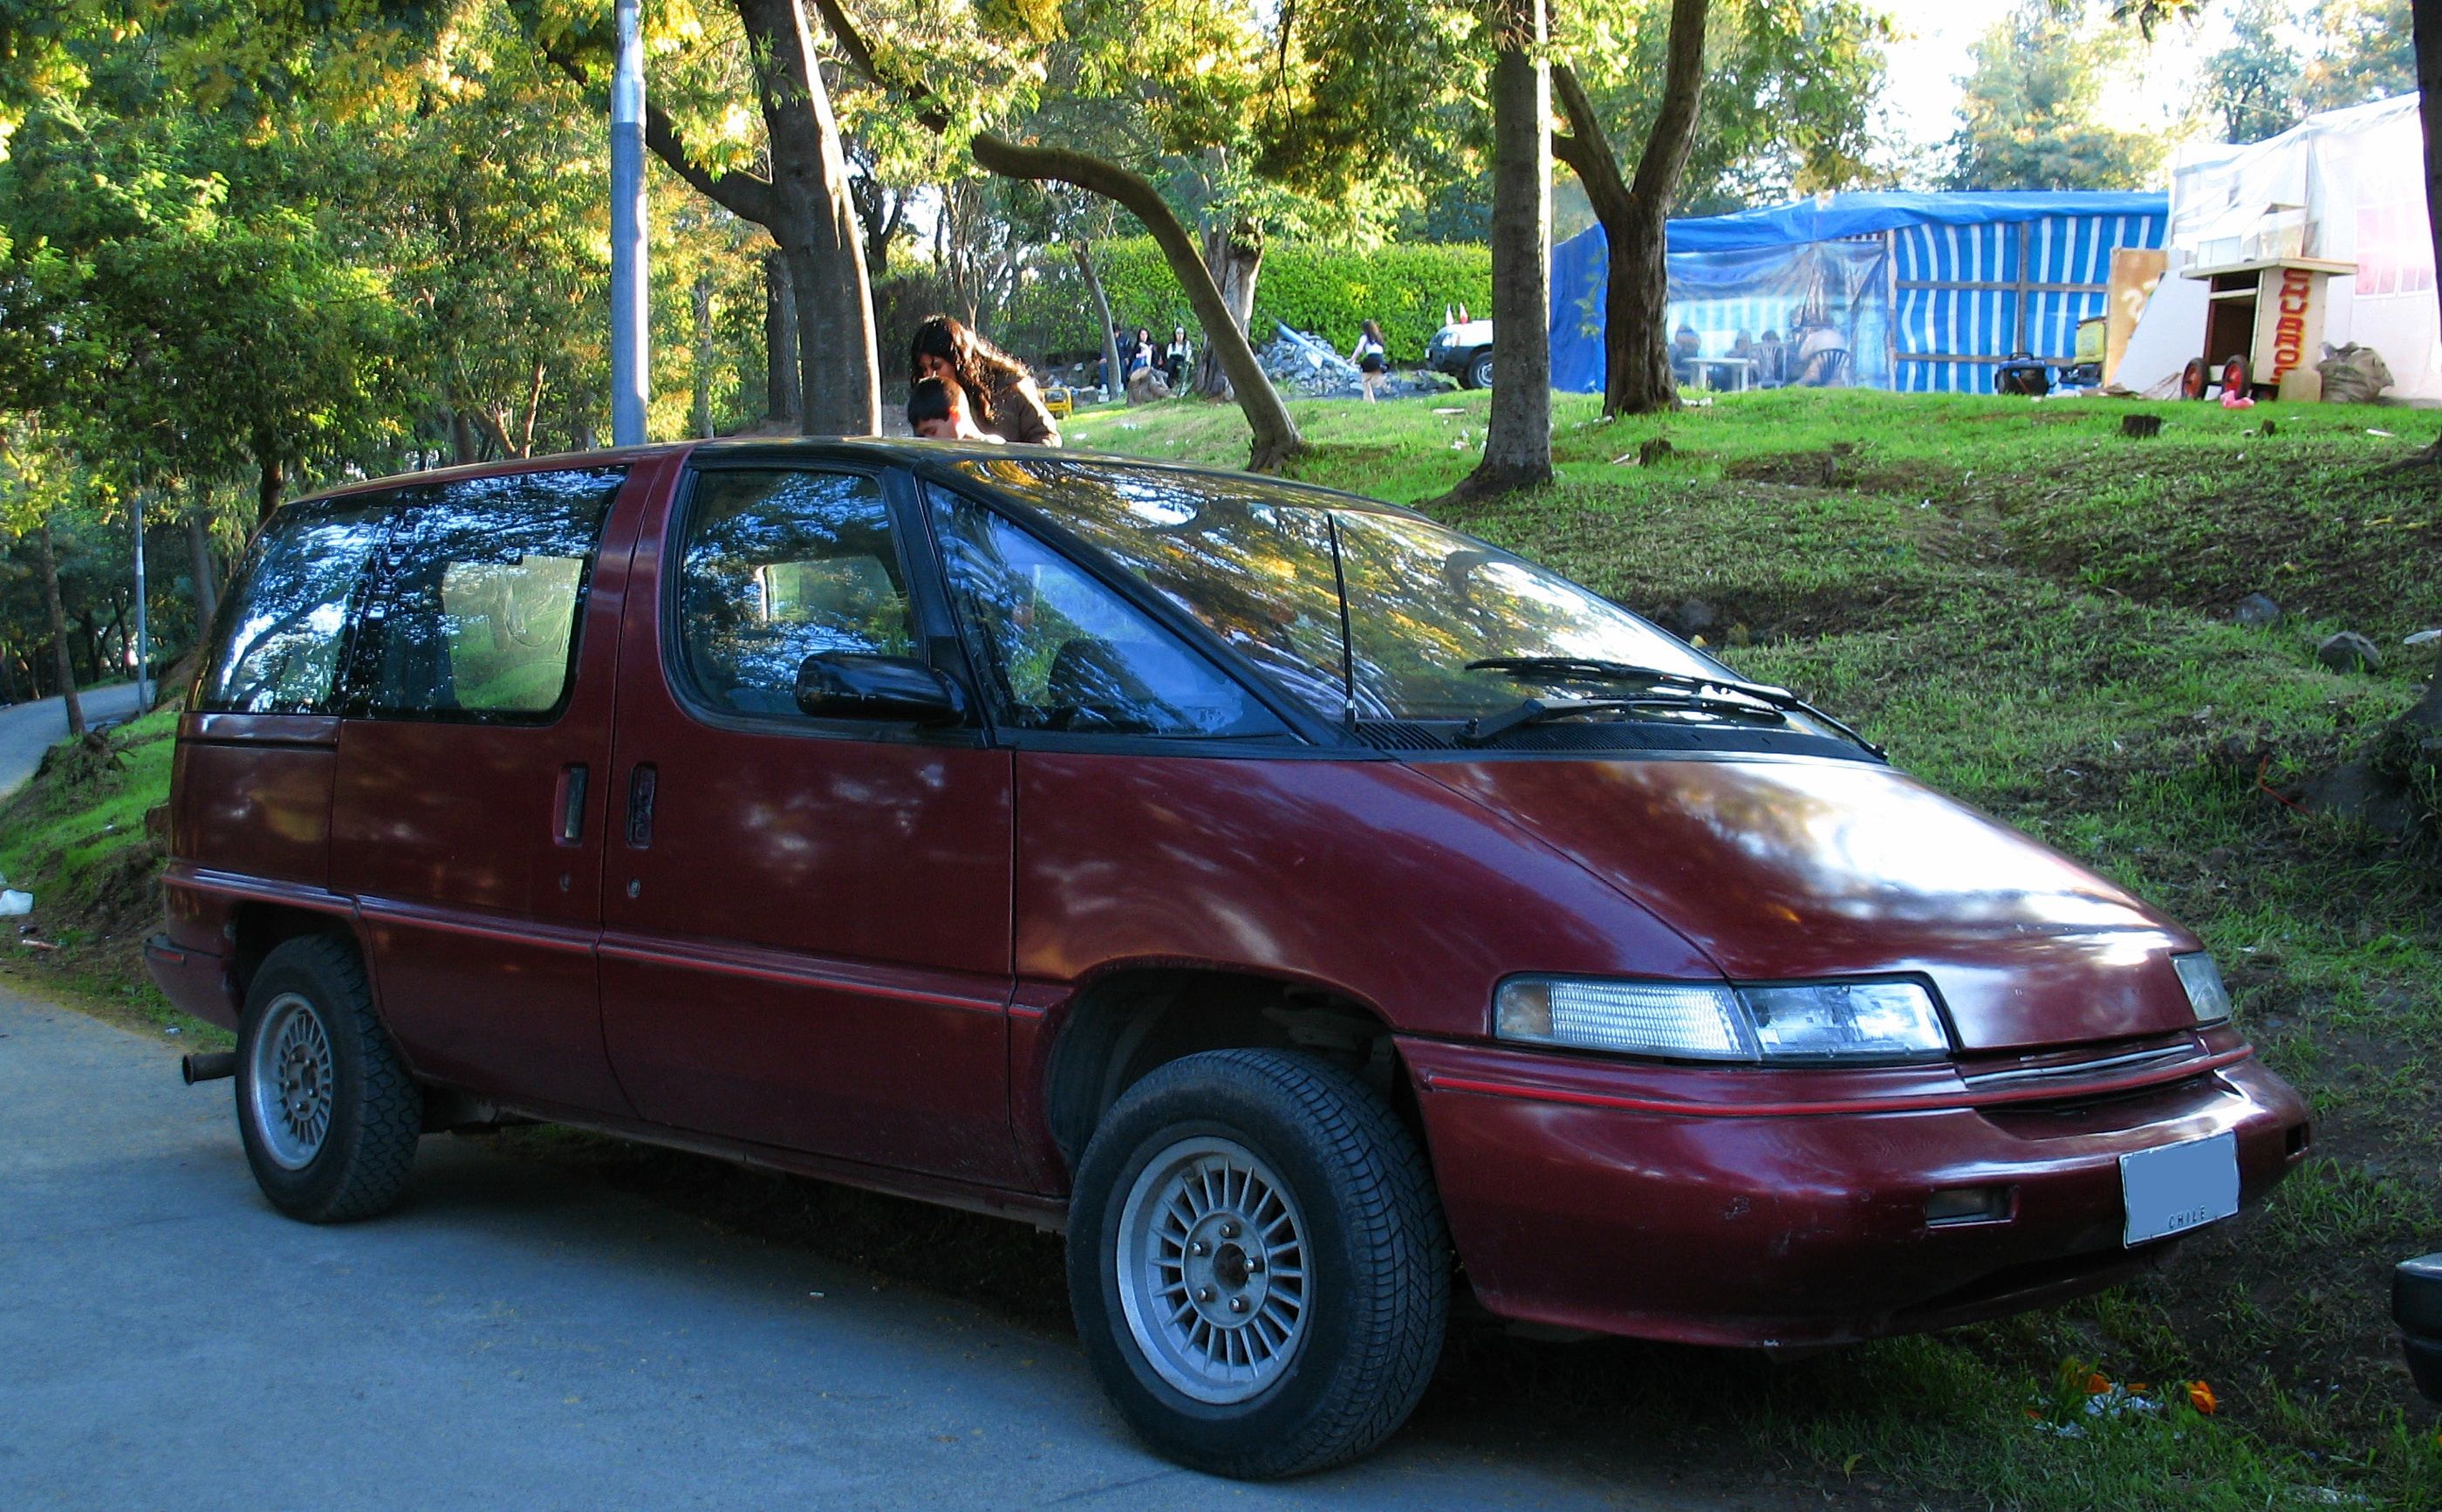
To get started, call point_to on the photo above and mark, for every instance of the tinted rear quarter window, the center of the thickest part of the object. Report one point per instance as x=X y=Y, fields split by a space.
x=287 y=623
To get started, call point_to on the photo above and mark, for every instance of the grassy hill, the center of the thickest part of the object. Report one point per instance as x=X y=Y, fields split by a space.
x=2034 y=613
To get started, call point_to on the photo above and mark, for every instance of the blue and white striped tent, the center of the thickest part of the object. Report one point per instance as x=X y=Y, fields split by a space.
x=1919 y=292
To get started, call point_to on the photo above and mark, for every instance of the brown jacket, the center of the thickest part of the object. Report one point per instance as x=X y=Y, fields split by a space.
x=1013 y=412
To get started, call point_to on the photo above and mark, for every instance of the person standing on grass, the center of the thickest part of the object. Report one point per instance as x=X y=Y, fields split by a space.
x=1175 y=357
x=1001 y=395
x=1371 y=360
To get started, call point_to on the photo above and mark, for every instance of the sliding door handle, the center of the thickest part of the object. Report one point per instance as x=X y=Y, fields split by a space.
x=571 y=806
x=640 y=806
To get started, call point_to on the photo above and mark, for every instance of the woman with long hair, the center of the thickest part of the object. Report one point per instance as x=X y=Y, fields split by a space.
x=1001 y=394
x=1371 y=360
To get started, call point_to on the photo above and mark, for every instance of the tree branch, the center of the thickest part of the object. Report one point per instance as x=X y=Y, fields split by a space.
x=1674 y=126
x=1584 y=147
x=743 y=196
x=930 y=112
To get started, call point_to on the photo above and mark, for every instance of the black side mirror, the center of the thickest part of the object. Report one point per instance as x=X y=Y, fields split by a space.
x=860 y=685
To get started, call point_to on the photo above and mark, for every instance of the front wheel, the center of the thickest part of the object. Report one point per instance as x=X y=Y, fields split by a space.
x=1257 y=1263
x=329 y=1116
x=1479 y=370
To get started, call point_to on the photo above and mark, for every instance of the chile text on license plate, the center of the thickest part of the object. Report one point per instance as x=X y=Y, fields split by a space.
x=2178 y=1187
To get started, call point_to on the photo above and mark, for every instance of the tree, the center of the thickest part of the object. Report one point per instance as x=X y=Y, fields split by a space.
x=1636 y=295
x=1518 y=442
x=2366 y=50
x=2252 y=83
x=36 y=488
x=805 y=202
x=2027 y=120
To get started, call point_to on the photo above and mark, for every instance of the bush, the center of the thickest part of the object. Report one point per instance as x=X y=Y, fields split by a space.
x=1323 y=293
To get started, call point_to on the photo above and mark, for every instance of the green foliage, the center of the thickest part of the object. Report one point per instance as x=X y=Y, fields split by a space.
x=1317 y=290
x=1790 y=90
x=2366 y=49
x=2252 y=83
x=2027 y=117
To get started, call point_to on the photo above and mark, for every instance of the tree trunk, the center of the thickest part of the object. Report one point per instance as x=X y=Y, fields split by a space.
x=1636 y=289
x=1114 y=382
x=814 y=221
x=462 y=442
x=1518 y=444
x=47 y=561
x=1276 y=440
x=701 y=308
x=206 y=575
x=1233 y=256
x=2425 y=21
x=783 y=396
x=271 y=475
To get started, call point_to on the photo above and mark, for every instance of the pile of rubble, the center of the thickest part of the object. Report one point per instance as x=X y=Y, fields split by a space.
x=1306 y=365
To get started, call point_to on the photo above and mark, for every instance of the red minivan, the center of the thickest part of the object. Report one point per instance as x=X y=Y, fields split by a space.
x=1307 y=907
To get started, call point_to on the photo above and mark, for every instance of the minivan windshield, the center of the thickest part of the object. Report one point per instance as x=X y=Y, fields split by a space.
x=1253 y=561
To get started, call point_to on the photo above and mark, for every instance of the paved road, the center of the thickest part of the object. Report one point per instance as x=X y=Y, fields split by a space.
x=524 y=1336
x=27 y=730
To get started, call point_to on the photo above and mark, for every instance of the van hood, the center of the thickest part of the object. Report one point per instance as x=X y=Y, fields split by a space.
x=1780 y=869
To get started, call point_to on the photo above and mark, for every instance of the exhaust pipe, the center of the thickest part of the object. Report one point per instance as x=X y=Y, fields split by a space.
x=208 y=1067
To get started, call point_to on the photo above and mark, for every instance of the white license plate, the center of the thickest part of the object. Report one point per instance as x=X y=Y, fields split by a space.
x=2178 y=1187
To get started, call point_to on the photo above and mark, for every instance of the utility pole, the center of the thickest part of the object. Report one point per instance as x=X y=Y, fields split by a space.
x=135 y=519
x=628 y=361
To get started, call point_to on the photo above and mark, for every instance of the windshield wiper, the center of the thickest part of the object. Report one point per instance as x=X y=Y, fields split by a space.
x=1487 y=728
x=1589 y=670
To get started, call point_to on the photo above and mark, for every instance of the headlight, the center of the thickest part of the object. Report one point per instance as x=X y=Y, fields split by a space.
x=2206 y=994
x=1816 y=1021
x=1847 y=1021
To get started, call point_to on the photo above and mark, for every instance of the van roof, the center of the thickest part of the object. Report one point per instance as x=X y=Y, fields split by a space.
x=900 y=451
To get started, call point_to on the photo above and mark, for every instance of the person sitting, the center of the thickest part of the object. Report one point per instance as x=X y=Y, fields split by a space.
x=1685 y=347
x=937 y=410
x=1771 y=361
x=1002 y=398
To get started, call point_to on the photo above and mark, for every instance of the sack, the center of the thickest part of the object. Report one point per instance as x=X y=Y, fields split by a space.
x=2351 y=375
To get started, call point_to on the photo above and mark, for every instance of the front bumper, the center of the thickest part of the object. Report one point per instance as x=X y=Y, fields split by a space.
x=1752 y=1207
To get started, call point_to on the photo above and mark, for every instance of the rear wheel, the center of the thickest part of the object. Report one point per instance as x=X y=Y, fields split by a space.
x=2194 y=378
x=328 y=1114
x=1257 y=1263
x=1478 y=370
x=2233 y=377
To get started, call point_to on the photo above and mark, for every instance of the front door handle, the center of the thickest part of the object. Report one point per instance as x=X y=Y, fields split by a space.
x=640 y=806
x=571 y=804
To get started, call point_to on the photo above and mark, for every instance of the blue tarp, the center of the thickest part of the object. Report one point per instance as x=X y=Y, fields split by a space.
x=1830 y=217
x=1818 y=293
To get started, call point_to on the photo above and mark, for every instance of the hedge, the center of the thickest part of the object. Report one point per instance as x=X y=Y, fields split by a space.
x=1323 y=293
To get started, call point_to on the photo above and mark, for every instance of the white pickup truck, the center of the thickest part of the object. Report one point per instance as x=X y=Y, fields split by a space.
x=1463 y=349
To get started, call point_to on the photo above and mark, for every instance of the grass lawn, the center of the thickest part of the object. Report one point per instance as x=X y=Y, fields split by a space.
x=2032 y=613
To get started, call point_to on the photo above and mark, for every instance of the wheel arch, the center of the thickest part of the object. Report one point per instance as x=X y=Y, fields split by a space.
x=1124 y=1023
x=257 y=929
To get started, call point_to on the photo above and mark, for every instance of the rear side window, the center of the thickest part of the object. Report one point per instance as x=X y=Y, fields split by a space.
x=477 y=597
x=287 y=622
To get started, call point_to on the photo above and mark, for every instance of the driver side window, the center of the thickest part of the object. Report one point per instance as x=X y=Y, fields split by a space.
x=1057 y=650
x=777 y=566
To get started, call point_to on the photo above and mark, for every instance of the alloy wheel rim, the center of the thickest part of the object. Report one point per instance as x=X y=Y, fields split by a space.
x=1213 y=1271
x=290 y=1083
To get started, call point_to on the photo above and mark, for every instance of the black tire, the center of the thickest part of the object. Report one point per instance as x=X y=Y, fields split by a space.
x=358 y=1165
x=1478 y=370
x=2195 y=378
x=1373 y=1254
